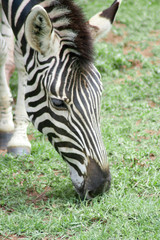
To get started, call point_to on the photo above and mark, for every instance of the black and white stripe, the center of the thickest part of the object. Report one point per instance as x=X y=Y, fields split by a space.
x=63 y=90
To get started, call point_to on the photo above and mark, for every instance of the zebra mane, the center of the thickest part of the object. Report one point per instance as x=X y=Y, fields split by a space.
x=69 y=22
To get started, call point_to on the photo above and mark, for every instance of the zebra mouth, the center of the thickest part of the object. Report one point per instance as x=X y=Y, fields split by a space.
x=88 y=192
x=94 y=182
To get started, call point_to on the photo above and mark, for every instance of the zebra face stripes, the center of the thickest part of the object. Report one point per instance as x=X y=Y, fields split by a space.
x=63 y=90
x=68 y=113
x=80 y=144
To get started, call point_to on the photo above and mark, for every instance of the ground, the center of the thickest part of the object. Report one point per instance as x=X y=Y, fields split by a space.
x=37 y=199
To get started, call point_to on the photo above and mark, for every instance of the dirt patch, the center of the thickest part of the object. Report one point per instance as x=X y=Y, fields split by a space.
x=31 y=137
x=152 y=156
x=119 y=81
x=36 y=197
x=114 y=38
x=138 y=122
x=128 y=77
x=156 y=62
x=141 y=138
x=143 y=163
x=13 y=237
x=130 y=46
x=3 y=152
x=139 y=163
x=135 y=63
x=147 y=52
x=118 y=24
x=155 y=33
x=151 y=104
x=153 y=132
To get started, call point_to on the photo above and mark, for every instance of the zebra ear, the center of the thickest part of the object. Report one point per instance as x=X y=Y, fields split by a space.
x=101 y=23
x=38 y=29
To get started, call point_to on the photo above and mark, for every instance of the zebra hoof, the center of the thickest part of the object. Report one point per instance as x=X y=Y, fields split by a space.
x=19 y=151
x=4 y=139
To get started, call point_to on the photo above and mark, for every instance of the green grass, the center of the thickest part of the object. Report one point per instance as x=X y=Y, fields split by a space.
x=37 y=199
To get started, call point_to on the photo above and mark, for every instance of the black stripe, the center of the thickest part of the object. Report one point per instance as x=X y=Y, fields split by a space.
x=60 y=131
x=92 y=139
x=50 y=7
x=64 y=75
x=36 y=91
x=37 y=114
x=34 y=78
x=30 y=57
x=73 y=156
x=51 y=136
x=5 y=6
x=39 y=101
x=75 y=167
x=67 y=145
x=24 y=13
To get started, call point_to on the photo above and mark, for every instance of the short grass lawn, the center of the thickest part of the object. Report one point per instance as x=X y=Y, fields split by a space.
x=37 y=199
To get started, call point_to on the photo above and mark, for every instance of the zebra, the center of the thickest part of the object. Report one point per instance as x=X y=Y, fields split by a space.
x=59 y=86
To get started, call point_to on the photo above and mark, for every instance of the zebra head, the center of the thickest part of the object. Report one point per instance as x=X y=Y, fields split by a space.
x=63 y=92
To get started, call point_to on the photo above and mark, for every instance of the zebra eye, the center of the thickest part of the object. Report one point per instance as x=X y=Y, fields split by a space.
x=58 y=103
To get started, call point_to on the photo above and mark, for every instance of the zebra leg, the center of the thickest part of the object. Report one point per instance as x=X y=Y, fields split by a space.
x=8 y=35
x=6 y=118
x=19 y=143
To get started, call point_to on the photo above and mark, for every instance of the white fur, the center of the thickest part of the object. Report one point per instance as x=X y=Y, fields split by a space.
x=76 y=179
x=6 y=119
x=19 y=138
